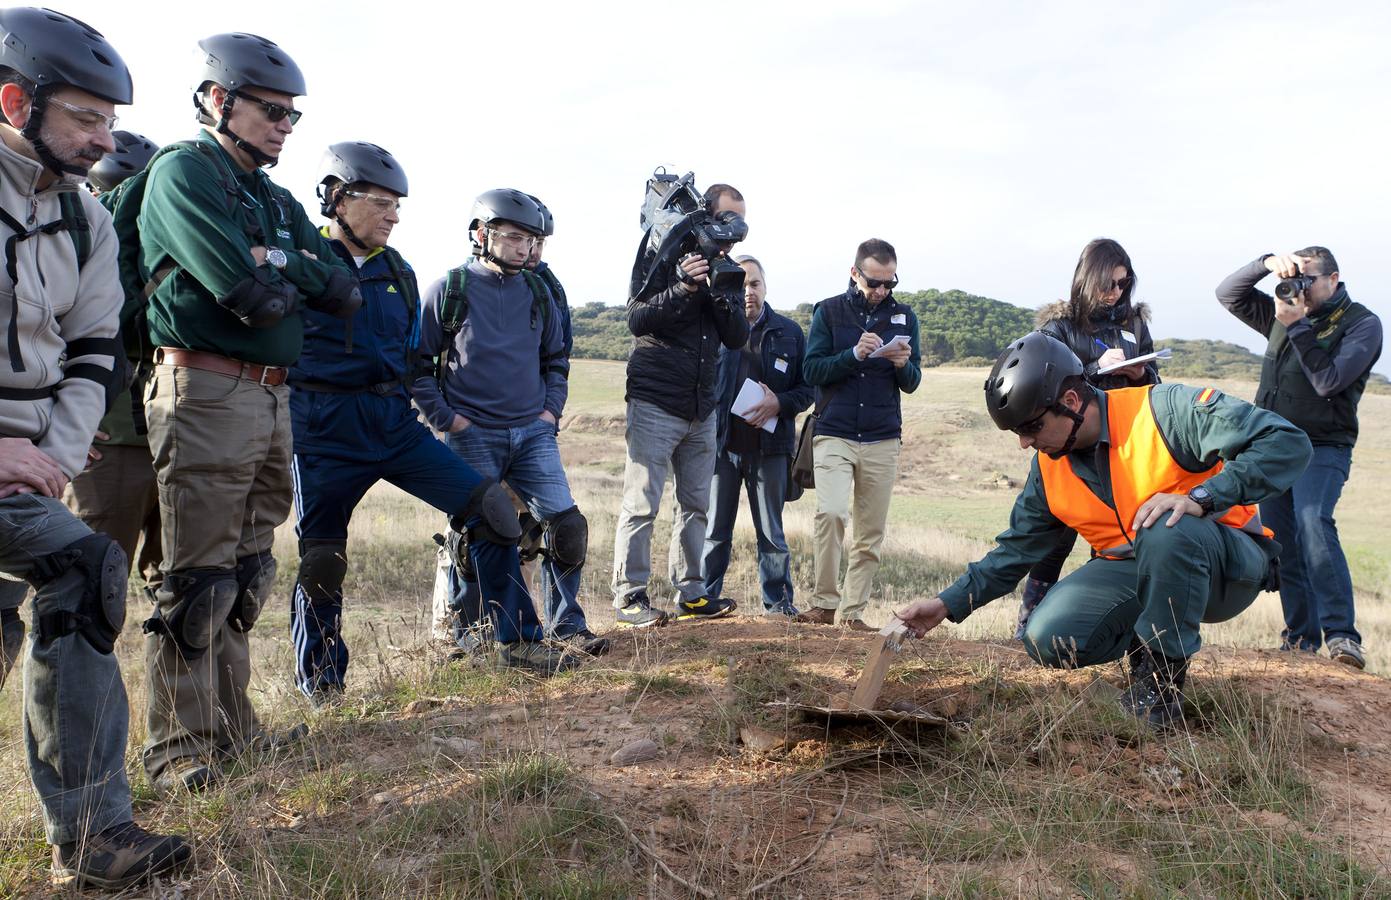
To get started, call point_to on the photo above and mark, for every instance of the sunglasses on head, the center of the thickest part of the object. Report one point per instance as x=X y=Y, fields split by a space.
x=274 y=111
x=872 y=283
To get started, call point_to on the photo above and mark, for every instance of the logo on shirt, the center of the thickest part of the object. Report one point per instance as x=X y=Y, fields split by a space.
x=282 y=234
x=391 y=288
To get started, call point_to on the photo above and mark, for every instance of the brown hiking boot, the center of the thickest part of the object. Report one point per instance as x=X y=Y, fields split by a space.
x=118 y=857
x=858 y=625
x=192 y=777
x=816 y=616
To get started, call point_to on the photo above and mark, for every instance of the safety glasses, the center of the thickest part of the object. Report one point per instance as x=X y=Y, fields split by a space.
x=1031 y=427
x=380 y=204
x=274 y=111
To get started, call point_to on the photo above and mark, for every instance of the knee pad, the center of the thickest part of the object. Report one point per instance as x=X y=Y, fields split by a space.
x=492 y=506
x=255 y=578
x=455 y=546
x=322 y=567
x=101 y=610
x=203 y=600
x=569 y=533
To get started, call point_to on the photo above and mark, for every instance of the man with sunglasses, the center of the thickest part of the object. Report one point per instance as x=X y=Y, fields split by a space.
x=229 y=259
x=862 y=353
x=498 y=389
x=1162 y=481
x=60 y=82
x=1322 y=346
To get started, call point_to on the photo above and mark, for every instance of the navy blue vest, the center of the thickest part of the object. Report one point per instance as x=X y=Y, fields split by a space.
x=864 y=407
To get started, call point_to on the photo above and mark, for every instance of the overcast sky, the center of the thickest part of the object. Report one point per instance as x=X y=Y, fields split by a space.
x=987 y=141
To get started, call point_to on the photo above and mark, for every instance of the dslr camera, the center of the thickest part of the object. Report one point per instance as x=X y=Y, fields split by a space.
x=677 y=223
x=1289 y=288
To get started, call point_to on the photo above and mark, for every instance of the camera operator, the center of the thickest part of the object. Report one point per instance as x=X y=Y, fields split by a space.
x=679 y=323
x=1322 y=346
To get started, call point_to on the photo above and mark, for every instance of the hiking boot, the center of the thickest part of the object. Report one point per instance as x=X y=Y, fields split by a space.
x=586 y=642
x=118 y=857
x=191 y=777
x=541 y=657
x=326 y=696
x=1034 y=591
x=785 y=608
x=638 y=613
x=1346 y=651
x=705 y=608
x=1155 y=695
x=267 y=740
x=858 y=625
x=816 y=616
x=474 y=646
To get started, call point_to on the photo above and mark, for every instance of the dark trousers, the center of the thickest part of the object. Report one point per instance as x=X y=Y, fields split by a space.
x=1315 y=586
x=764 y=480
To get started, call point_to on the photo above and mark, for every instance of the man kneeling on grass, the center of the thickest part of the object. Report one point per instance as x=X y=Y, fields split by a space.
x=1163 y=482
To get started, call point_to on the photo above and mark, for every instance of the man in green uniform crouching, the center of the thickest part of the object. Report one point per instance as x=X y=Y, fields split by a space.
x=230 y=259
x=1163 y=482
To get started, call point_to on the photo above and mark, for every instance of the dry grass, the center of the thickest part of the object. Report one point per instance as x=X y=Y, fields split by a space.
x=371 y=807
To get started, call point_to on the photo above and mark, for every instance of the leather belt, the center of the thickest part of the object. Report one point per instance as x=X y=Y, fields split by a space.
x=270 y=376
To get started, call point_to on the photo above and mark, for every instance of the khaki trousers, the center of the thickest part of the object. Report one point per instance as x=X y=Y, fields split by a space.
x=858 y=477
x=117 y=496
x=222 y=455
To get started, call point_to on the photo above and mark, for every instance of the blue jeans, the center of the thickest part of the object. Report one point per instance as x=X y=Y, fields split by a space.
x=1315 y=586
x=75 y=709
x=764 y=478
x=527 y=458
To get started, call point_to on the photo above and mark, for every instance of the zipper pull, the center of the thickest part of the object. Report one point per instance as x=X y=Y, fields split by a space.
x=33 y=210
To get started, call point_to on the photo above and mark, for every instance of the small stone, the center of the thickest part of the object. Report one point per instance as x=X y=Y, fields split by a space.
x=635 y=752
x=457 y=747
x=508 y=715
x=420 y=707
x=760 y=740
x=452 y=720
x=376 y=761
x=382 y=798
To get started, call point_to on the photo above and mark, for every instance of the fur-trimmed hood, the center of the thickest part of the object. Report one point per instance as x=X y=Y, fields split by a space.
x=1066 y=311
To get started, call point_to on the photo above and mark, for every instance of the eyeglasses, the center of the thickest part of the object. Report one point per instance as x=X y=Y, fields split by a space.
x=380 y=204
x=274 y=111
x=1031 y=427
x=514 y=237
x=1119 y=284
x=86 y=118
x=872 y=283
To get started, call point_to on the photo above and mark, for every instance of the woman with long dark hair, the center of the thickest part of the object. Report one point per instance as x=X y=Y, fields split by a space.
x=1103 y=326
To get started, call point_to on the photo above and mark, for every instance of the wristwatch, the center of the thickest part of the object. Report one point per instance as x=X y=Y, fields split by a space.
x=276 y=257
x=1203 y=497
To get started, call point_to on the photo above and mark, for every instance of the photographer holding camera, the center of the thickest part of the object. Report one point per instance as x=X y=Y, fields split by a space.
x=679 y=316
x=1322 y=346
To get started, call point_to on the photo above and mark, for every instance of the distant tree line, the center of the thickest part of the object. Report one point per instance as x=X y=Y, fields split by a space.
x=956 y=328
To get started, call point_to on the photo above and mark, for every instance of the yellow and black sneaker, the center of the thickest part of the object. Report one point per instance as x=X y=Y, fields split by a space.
x=638 y=613
x=704 y=608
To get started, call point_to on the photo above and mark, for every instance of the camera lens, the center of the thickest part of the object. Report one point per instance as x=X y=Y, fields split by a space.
x=1286 y=290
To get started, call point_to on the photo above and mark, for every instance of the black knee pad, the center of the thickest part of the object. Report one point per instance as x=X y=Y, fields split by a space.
x=569 y=538
x=255 y=578
x=323 y=564
x=202 y=601
x=101 y=613
x=498 y=523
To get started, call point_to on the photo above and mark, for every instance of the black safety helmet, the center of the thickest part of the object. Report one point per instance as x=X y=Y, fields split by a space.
x=354 y=162
x=133 y=152
x=547 y=220
x=51 y=49
x=238 y=60
x=509 y=205
x=1027 y=379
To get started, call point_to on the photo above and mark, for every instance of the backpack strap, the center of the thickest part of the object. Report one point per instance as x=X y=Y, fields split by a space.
x=542 y=305
x=453 y=312
x=79 y=229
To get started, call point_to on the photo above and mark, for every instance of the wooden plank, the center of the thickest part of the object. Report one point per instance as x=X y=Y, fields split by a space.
x=881 y=654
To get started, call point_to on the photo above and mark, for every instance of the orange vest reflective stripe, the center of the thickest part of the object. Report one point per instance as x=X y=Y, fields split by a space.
x=1141 y=466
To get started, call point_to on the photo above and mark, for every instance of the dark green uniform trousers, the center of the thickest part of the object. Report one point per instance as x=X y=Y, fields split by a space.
x=1197 y=571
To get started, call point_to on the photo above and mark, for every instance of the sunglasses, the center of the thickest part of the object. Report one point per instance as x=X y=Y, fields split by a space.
x=1031 y=427
x=274 y=111
x=1118 y=284
x=872 y=283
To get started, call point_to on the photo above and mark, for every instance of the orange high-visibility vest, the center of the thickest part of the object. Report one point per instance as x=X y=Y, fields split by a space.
x=1141 y=466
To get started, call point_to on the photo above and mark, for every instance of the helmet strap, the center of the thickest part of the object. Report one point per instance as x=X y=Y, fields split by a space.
x=1077 y=418
x=335 y=197
x=31 y=130
x=257 y=157
x=492 y=257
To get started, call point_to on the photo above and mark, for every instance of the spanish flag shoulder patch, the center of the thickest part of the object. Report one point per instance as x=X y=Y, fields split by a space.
x=1206 y=397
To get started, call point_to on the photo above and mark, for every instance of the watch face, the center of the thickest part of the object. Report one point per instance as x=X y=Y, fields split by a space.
x=276 y=257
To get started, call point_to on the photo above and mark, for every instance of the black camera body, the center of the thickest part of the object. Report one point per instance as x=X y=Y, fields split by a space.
x=710 y=233
x=677 y=224
x=1289 y=288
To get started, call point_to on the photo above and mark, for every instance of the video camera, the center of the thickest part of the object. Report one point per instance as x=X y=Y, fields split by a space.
x=677 y=223
x=1289 y=288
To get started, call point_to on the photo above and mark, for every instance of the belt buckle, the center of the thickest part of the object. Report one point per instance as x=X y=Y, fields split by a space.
x=266 y=370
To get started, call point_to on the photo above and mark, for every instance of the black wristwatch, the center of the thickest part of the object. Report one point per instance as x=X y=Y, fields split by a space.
x=1203 y=497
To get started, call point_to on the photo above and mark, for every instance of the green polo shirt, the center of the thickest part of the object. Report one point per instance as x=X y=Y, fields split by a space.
x=1263 y=455
x=188 y=217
